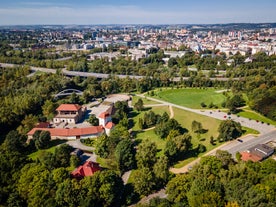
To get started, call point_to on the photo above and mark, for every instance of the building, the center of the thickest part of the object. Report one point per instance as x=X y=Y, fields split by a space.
x=69 y=113
x=257 y=153
x=105 y=120
x=87 y=169
x=70 y=134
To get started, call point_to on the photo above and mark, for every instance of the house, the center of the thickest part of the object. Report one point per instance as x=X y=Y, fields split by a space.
x=257 y=153
x=69 y=113
x=105 y=120
x=73 y=133
x=87 y=169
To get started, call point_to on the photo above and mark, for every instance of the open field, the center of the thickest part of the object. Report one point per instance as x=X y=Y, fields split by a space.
x=191 y=97
x=145 y=100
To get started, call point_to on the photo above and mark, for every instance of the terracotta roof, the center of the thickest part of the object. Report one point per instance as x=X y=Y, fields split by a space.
x=87 y=169
x=69 y=132
x=68 y=107
x=249 y=156
x=109 y=125
x=43 y=125
x=104 y=115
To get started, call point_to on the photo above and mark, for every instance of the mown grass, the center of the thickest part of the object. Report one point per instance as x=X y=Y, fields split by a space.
x=191 y=97
x=145 y=100
x=38 y=153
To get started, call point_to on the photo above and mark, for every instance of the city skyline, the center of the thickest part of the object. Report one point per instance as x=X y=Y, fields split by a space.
x=20 y=12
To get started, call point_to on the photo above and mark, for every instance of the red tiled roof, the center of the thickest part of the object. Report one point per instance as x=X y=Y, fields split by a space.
x=68 y=107
x=109 y=125
x=43 y=125
x=249 y=156
x=87 y=169
x=104 y=115
x=69 y=132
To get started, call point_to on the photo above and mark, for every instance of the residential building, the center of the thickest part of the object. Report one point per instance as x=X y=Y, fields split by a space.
x=69 y=113
x=89 y=168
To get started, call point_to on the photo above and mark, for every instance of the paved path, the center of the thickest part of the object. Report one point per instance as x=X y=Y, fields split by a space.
x=262 y=128
x=125 y=176
x=79 y=145
x=267 y=132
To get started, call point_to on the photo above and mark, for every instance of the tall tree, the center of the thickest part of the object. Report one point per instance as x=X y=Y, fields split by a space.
x=125 y=155
x=146 y=154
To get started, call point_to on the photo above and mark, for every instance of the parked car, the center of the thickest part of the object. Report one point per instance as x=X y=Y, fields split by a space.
x=239 y=140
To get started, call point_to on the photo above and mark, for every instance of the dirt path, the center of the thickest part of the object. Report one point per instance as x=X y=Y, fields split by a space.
x=171 y=111
x=186 y=167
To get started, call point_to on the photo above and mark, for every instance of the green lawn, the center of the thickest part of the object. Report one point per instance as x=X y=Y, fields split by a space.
x=191 y=97
x=145 y=100
x=185 y=118
x=36 y=154
x=247 y=113
x=150 y=135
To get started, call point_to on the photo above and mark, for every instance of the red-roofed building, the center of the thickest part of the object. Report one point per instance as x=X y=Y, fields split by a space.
x=104 y=118
x=108 y=127
x=246 y=156
x=87 y=169
x=70 y=113
x=74 y=133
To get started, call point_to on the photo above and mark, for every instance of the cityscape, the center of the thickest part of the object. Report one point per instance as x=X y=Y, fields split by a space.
x=138 y=103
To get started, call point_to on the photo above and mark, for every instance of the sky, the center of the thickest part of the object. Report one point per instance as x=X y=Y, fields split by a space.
x=83 y=12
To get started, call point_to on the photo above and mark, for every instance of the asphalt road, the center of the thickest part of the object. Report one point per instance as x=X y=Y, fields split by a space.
x=235 y=146
x=261 y=127
x=100 y=75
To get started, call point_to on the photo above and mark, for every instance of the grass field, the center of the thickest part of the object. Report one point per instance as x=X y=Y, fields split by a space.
x=145 y=100
x=191 y=97
x=36 y=154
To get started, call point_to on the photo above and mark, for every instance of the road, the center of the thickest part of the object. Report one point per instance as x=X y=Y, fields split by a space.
x=101 y=75
x=267 y=133
x=249 y=141
x=262 y=128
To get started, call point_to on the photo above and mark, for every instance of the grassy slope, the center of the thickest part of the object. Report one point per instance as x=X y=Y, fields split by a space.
x=247 y=113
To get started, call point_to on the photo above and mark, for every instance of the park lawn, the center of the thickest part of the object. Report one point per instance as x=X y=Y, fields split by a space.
x=247 y=113
x=247 y=131
x=191 y=97
x=36 y=154
x=145 y=100
x=150 y=135
x=156 y=109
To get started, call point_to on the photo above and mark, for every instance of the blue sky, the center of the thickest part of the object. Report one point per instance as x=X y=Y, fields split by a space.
x=18 y=12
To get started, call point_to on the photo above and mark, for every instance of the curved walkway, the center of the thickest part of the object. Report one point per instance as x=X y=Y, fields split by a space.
x=261 y=127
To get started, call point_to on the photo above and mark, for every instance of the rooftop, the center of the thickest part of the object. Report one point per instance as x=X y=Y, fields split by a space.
x=69 y=132
x=68 y=107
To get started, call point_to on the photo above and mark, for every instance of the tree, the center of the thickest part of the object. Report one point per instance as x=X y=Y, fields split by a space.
x=229 y=130
x=14 y=142
x=178 y=187
x=178 y=146
x=197 y=128
x=125 y=155
x=161 y=170
x=42 y=139
x=139 y=105
x=93 y=120
x=102 y=189
x=225 y=157
x=48 y=109
x=146 y=154
x=144 y=182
